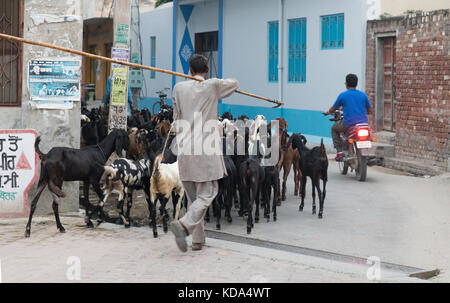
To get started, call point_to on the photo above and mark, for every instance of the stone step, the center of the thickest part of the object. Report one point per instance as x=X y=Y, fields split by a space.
x=385 y=137
x=382 y=150
x=413 y=167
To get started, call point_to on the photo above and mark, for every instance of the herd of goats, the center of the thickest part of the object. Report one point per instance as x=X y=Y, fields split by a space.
x=153 y=168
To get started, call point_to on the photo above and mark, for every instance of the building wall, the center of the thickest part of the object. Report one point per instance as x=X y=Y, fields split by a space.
x=156 y=23
x=247 y=58
x=422 y=84
x=56 y=127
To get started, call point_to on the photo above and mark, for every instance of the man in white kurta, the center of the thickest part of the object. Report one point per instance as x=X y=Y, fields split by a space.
x=200 y=157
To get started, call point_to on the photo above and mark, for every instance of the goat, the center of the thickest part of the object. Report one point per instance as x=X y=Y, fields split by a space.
x=122 y=177
x=251 y=176
x=289 y=158
x=70 y=164
x=227 y=188
x=138 y=143
x=313 y=163
x=165 y=179
x=271 y=181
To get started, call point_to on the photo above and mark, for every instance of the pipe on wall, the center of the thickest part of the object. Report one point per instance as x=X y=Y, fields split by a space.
x=280 y=51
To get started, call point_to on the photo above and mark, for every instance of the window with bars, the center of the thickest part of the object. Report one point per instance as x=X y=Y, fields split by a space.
x=152 y=56
x=297 y=50
x=10 y=53
x=273 y=51
x=332 y=31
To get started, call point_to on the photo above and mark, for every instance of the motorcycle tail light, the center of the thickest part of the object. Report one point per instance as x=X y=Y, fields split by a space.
x=363 y=133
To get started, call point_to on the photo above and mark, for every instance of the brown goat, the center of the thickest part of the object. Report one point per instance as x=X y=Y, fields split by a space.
x=163 y=128
x=288 y=158
x=138 y=143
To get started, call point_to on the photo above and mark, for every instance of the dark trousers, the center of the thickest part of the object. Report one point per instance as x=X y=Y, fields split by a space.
x=338 y=128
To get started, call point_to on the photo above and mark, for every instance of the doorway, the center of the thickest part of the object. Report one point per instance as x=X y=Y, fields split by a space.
x=385 y=114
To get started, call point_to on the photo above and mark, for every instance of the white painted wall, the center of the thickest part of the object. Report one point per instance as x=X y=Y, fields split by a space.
x=157 y=22
x=246 y=41
x=204 y=18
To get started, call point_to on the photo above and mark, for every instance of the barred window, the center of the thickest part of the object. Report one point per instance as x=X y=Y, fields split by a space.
x=10 y=53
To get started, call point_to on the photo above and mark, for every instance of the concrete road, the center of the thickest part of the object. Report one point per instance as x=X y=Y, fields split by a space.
x=400 y=219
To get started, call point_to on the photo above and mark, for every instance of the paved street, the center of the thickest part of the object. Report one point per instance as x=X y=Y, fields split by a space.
x=400 y=219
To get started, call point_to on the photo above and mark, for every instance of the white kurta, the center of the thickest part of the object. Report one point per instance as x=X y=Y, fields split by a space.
x=192 y=99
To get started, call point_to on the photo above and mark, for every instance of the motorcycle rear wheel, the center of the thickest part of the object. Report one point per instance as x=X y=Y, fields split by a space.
x=361 y=170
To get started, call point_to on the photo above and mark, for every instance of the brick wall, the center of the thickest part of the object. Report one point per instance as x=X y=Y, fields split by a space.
x=422 y=84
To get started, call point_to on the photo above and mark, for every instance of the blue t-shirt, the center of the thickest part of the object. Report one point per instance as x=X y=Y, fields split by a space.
x=355 y=104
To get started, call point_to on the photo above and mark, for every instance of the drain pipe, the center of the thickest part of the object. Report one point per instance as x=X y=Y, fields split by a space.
x=280 y=52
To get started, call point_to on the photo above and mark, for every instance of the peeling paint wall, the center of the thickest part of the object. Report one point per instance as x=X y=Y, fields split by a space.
x=59 y=23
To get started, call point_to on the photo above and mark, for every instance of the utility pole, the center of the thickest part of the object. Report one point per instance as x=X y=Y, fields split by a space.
x=136 y=78
x=119 y=73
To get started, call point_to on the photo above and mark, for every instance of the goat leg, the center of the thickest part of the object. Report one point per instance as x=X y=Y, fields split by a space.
x=274 y=205
x=129 y=205
x=87 y=204
x=152 y=210
x=178 y=205
x=322 y=200
x=218 y=210
x=314 y=185
x=100 y=213
x=228 y=204
x=33 y=207
x=207 y=215
x=257 y=206
x=249 y=218
x=302 y=192
x=56 y=212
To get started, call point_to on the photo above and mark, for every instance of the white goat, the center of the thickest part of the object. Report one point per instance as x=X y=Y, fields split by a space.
x=165 y=179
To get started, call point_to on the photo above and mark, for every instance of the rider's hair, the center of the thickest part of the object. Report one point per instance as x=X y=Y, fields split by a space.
x=199 y=64
x=351 y=80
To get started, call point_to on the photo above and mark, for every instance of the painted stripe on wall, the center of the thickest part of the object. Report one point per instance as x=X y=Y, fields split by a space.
x=309 y=122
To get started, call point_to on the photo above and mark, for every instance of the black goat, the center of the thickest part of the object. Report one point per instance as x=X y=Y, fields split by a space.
x=313 y=163
x=271 y=182
x=227 y=189
x=251 y=176
x=70 y=164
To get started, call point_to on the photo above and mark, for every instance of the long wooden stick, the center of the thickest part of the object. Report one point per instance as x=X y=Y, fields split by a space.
x=77 y=52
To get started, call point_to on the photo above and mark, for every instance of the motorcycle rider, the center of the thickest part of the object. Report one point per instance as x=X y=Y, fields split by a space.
x=355 y=106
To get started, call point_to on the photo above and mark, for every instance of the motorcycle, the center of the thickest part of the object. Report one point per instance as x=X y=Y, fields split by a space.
x=356 y=143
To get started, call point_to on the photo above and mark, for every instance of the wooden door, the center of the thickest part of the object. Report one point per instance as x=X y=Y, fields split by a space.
x=389 y=84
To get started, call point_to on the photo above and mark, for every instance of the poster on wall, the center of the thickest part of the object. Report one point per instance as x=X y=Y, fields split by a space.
x=18 y=171
x=119 y=86
x=121 y=54
x=54 y=80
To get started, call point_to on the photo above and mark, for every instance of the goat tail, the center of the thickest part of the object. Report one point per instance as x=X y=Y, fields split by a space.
x=42 y=156
x=323 y=152
x=55 y=189
x=156 y=166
